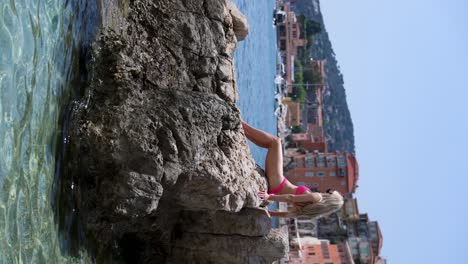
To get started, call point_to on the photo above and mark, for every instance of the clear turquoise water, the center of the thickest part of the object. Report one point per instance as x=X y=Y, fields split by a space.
x=255 y=60
x=38 y=62
x=37 y=52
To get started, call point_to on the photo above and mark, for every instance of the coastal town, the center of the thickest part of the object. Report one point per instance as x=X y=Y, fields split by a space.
x=349 y=235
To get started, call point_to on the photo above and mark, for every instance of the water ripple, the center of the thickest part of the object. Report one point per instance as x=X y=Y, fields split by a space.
x=37 y=50
x=255 y=67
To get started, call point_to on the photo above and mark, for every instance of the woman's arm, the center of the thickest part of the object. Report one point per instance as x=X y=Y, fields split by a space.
x=278 y=214
x=288 y=198
x=292 y=198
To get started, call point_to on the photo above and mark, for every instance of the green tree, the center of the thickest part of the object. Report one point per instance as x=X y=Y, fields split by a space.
x=299 y=93
x=312 y=75
x=308 y=27
x=289 y=139
x=298 y=129
x=310 y=41
x=313 y=27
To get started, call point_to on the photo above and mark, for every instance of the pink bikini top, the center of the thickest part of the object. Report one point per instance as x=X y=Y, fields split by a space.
x=301 y=189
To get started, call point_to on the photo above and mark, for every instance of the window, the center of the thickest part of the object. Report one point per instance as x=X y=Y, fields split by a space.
x=309 y=174
x=331 y=162
x=332 y=173
x=321 y=173
x=364 y=251
x=341 y=172
x=309 y=162
x=341 y=161
x=300 y=163
x=283 y=44
x=315 y=185
x=320 y=161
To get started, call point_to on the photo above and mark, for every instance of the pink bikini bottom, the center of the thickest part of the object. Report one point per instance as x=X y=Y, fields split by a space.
x=279 y=188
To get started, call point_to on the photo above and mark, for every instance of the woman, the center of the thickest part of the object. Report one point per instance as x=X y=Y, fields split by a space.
x=304 y=201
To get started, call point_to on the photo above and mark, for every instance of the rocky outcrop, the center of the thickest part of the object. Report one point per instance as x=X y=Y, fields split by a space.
x=165 y=174
x=239 y=21
x=213 y=248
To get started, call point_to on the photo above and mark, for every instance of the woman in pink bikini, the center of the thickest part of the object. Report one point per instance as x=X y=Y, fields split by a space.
x=306 y=202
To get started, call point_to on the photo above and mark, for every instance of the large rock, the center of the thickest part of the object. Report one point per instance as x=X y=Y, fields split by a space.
x=162 y=164
x=247 y=222
x=214 y=248
x=239 y=21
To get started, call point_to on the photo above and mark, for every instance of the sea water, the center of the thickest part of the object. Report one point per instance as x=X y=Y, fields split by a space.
x=255 y=62
x=38 y=54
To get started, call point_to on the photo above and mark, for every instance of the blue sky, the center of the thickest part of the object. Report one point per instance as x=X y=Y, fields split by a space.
x=405 y=69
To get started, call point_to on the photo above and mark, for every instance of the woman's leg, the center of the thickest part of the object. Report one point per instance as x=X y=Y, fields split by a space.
x=274 y=157
x=258 y=137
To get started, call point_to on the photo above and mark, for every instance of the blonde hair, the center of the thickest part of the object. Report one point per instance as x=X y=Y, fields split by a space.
x=330 y=203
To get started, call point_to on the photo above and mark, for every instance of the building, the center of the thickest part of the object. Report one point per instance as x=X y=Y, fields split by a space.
x=319 y=67
x=375 y=236
x=361 y=250
x=302 y=227
x=380 y=260
x=332 y=228
x=293 y=112
x=316 y=131
x=320 y=171
x=317 y=251
x=312 y=140
x=365 y=240
x=301 y=137
x=288 y=32
x=314 y=109
x=350 y=211
x=315 y=99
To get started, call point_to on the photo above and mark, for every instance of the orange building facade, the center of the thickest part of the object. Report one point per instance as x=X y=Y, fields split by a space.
x=288 y=41
x=320 y=171
x=315 y=116
x=316 y=131
x=293 y=112
x=319 y=253
x=313 y=140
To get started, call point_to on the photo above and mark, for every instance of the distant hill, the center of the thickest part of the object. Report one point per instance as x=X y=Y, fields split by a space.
x=339 y=126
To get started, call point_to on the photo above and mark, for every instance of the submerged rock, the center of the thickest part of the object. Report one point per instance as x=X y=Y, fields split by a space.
x=165 y=173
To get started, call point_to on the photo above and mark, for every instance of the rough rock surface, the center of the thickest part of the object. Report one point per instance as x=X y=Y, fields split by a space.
x=165 y=174
x=239 y=21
